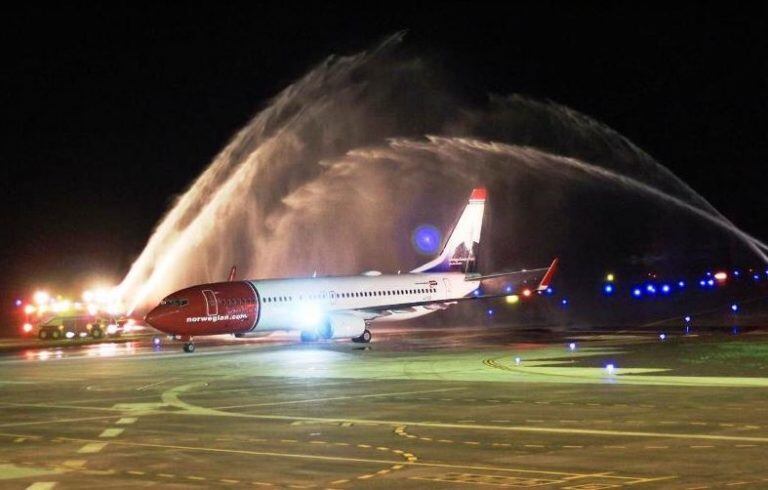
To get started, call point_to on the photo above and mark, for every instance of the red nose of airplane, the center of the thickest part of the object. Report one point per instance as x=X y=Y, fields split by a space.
x=207 y=309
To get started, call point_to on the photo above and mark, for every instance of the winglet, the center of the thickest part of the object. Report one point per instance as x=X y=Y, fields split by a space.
x=544 y=284
x=478 y=194
x=232 y=273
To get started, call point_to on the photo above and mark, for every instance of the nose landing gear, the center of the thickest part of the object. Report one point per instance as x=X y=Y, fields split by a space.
x=189 y=346
x=364 y=338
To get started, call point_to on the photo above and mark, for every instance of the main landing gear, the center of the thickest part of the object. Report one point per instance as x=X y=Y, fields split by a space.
x=364 y=338
x=189 y=347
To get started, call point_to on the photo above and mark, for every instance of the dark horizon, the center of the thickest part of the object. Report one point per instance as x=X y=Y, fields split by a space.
x=111 y=111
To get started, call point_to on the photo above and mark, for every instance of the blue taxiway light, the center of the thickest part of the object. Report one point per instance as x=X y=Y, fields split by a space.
x=711 y=282
x=665 y=289
x=734 y=307
x=681 y=284
x=608 y=289
x=564 y=302
x=662 y=337
x=637 y=292
x=549 y=291
x=687 y=318
x=572 y=346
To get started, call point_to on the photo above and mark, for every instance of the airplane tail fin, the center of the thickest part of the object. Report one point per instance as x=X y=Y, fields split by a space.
x=460 y=251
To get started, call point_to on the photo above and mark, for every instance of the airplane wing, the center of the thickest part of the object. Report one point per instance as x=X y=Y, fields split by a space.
x=497 y=285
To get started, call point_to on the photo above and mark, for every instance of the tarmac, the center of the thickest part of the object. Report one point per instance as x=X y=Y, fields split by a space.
x=454 y=407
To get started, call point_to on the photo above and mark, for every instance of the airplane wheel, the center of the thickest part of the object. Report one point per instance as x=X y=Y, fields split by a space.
x=189 y=347
x=55 y=334
x=364 y=338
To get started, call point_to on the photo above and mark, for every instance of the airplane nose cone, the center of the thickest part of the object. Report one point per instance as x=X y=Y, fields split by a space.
x=160 y=318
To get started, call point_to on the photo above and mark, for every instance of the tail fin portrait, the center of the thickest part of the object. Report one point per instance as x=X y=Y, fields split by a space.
x=461 y=249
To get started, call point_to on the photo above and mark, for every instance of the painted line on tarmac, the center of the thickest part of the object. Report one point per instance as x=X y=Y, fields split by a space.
x=344 y=397
x=91 y=447
x=192 y=410
x=42 y=485
x=410 y=462
x=111 y=432
x=58 y=421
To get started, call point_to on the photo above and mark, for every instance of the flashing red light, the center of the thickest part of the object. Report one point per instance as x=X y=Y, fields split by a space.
x=526 y=292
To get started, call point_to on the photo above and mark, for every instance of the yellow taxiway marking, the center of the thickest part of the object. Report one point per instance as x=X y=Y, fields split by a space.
x=93 y=447
x=75 y=464
x=126 y=420
x=111 y=432
x=345 y=397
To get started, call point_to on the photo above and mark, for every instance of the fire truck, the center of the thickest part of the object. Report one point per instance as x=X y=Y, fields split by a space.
x=78 y=326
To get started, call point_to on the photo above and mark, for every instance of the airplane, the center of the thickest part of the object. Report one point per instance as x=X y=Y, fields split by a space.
x=345 y=307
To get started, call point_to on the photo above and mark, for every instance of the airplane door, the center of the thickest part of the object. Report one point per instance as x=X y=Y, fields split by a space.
x=211 y=306
x=447 y=285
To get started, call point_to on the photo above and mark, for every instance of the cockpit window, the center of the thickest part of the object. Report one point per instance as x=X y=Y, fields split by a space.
x=174 y=302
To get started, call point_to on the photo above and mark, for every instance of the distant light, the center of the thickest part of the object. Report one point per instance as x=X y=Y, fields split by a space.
x=41 y=297
x=609 y=368
x=709 y=274
x=18 y=303
x=756 y=277
x=665 y=289
x=681 y=284
x=610 y=277
x=637 y=292
x=508 y=289
x=721 y=276
x=476 y=292
x=27 y=327
x=564 y=302
x=426 y=239
x=687 y=318
x=526 y=292
x=662 y=337
x=734 y=307
x=711 y=282
x=29 y=309
x=650 y=288
x=572 y=346
x=608 y=289
x=736 y=273
x=703 y=283
x=155 y=340
x=512 y=299
x=490 y=312
x=517 y=361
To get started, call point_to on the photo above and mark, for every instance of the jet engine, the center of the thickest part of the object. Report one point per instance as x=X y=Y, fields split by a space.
x=342 y=326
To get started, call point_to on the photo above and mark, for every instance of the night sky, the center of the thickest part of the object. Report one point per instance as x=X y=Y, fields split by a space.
x=110 y=110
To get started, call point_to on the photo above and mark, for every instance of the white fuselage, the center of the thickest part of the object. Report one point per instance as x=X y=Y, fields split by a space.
x=288 y=304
